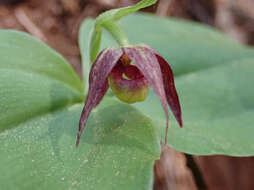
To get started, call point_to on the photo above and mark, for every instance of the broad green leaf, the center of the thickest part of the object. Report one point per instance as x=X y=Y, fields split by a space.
x=218 y=111
x=34 y=79
x=41 y=99
x=117 y=151
x=213 y=79
x=19 y=51
x=87 y=30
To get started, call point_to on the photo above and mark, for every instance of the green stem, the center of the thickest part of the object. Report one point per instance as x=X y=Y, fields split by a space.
x=107 y=19
x=116 y=33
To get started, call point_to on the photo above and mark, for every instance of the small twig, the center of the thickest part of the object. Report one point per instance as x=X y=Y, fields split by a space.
x=28 y=24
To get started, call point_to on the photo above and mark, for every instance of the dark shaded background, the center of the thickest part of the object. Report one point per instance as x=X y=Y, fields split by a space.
x=56 y=22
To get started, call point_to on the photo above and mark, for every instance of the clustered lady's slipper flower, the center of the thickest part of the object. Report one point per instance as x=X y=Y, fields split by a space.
x=112 y=68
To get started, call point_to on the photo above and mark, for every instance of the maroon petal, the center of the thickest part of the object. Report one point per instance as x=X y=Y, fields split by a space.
x=169 y=85
x=98 y=84
x=148 y=64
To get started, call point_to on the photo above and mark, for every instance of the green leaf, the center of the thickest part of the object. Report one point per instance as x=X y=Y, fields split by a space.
x=117 y=151
x=34 y=79
x=213 y=78
x=84 y=45
x=41 y=99
x=218 y=110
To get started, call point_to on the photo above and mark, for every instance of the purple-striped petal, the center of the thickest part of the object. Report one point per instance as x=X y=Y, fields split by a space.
x=98 y=84
x=148 y=64
x=169 y=85
x=171 y=93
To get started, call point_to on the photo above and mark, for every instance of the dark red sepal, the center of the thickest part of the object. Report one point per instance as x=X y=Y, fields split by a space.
x=147 y=63
x=169 y=85
x=98 y=84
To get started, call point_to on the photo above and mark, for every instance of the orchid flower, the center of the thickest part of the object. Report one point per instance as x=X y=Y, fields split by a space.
x=112 y=68
x=128 y=70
